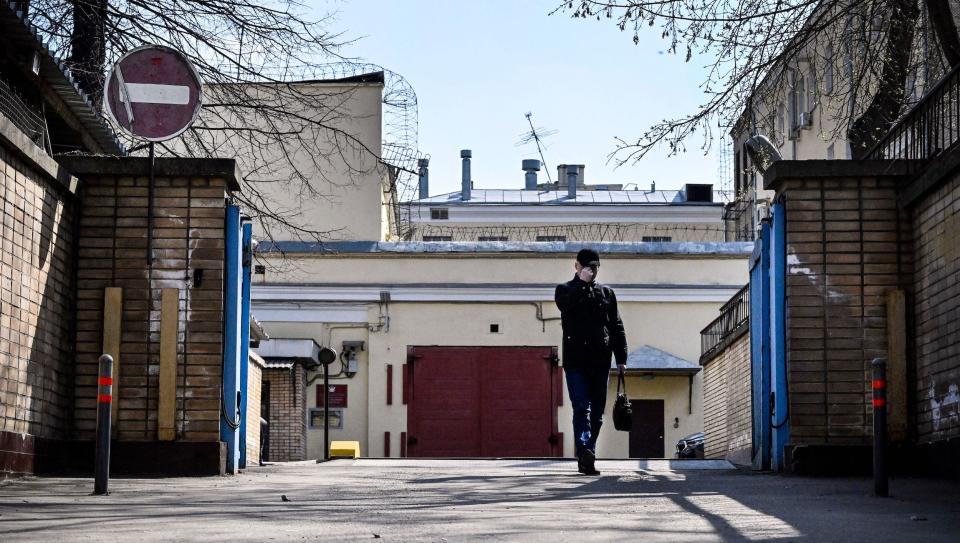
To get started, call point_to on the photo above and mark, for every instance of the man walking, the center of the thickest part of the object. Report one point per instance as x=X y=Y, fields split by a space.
x=592 y=331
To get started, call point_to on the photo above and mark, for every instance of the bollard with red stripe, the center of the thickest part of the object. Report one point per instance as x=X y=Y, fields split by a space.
x=104 y=411
x=880 y=476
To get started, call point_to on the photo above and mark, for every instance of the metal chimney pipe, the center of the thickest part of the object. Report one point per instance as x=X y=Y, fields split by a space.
x=531 y=167
x=424 y=165
x=466 y=183
x=572 y=182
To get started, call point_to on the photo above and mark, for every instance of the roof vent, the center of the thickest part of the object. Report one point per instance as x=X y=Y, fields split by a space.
x=424 y=165
x=466 y=182
x=563 y=169
x=699 y=192
x=530 y=179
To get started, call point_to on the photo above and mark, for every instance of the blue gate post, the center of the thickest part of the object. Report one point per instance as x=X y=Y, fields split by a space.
x=230 y=414
x=760 y=347
x=780 y=416
x=245 y=335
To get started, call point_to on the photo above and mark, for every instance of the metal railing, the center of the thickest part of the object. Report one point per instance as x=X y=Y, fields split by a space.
x=734 y=314
x=929 y=129
x=738 y=219
x=28 y=118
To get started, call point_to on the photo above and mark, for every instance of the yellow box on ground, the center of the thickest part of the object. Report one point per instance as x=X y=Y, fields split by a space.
x=345 y=449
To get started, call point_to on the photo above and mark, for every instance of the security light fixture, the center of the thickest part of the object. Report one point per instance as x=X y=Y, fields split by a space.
x=762 y=152
x=327 y=356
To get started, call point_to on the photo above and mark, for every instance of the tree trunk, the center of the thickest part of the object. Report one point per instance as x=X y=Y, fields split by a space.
x=88 y=46
x=946 y=30
x=885 y=107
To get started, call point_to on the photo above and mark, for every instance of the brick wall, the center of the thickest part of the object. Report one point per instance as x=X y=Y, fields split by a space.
x=727 y=404
x=252 y=416
x=288 y=419
x=36 y=299
x=845 y=251
x=188 y=236
x=936 y=223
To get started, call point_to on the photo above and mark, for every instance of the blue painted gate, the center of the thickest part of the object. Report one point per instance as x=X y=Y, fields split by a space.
x=771 y=417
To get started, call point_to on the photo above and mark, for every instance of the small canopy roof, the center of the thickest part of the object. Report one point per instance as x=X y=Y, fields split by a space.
x=649 y=359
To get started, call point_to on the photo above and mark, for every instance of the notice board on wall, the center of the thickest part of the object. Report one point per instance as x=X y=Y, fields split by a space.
x=336 y=393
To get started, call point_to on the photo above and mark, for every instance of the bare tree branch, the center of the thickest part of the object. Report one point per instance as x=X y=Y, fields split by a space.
x=759 y=50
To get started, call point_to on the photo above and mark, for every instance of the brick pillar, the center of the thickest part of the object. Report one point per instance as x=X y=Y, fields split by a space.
x=848 y=245
x=188 y=255
x=288 y=422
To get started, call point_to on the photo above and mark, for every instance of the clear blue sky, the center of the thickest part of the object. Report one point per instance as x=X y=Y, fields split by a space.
x=477 y=67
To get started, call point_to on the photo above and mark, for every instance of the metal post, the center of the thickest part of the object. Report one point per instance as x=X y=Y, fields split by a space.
x=880 y=475
x=150 y=208
x=326 y=412
x=104 y=410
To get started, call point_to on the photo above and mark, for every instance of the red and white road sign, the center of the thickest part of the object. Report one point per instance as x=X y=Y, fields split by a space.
x=153 y=92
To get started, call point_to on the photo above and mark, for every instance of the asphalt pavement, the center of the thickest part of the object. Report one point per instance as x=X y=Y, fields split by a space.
x=489 y=500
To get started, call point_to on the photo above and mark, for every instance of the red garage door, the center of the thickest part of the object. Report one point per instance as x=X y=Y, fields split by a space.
x=483 y=401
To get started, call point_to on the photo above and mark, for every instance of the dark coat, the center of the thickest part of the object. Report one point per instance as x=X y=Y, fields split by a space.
x=592 y=328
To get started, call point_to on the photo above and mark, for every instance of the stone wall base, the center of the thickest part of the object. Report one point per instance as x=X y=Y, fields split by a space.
x=924 y=460
x=146 y=458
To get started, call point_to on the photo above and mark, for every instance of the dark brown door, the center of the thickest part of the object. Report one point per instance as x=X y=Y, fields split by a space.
x=482 y=402
x=646 y=435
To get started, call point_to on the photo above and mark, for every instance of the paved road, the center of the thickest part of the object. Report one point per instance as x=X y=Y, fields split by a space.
x=405 y=500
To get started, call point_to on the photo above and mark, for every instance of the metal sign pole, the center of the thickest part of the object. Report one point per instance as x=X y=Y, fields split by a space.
x=326 y=412
x=150 y=208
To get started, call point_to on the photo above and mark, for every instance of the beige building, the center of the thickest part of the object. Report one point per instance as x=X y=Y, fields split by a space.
x=394 y=310
x=806 y=103
x=382 y=302
x=566 y=210
x=315 y=173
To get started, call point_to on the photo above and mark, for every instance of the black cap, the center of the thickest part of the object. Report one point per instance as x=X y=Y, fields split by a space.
x=588 y=257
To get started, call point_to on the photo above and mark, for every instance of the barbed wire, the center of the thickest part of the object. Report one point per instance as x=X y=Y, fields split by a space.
x=572 y=232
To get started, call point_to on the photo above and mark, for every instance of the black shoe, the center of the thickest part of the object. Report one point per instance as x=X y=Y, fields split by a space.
x=585 y=464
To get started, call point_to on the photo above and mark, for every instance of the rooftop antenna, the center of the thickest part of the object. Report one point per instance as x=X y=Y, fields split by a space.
x=536 y=135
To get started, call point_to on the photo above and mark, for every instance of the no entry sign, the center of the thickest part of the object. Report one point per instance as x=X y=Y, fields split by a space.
x=153 y=92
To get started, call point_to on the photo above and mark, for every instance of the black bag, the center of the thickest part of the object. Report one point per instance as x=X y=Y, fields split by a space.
x=622 y=410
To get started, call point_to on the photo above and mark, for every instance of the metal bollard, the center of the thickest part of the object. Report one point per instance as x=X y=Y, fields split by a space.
x=104 y=410
x=880 y=475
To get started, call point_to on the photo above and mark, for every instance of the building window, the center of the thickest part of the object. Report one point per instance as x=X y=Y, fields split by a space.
x=551 y=238
x=797 y=100
x=657 y=239
x=492 y=238
x=828 y=71
x=781 y=132
x=439 y=213
x=437 y=238
x=736 y=174
x=830 y=152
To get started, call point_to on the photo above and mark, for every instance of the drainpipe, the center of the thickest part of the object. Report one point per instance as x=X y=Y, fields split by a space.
x=531 y=167
x=780 y=415
x=760 y=348
x=424 y=165
x=245 y=334
x=230 y=414
x=466 y=183
x=572 y=182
